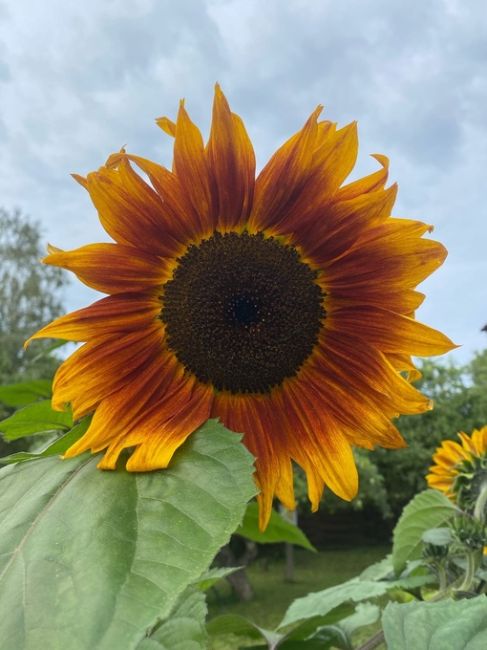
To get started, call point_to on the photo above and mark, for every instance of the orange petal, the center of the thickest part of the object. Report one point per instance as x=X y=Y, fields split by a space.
x=167 y=125
x=319 y=442
x=366 y=420
x=371 y=183
x=309 y=195
x=393 y=263
x=118 y=411
x=367 y=374
x=131 y=212
x=97 y=369
x=113 y=268
x=389 y=331
x=183 y=218
x=280 y=183
x=328 y=235
x=231 y=161
x=190 y=166
x=121 y=312
x=263 y=436
x=164 y=429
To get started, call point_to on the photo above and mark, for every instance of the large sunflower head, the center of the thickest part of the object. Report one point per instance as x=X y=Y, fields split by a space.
x=460 y=469
x=283 y=305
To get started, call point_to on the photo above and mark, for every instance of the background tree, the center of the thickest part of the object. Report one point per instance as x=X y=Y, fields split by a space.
x=29 y=298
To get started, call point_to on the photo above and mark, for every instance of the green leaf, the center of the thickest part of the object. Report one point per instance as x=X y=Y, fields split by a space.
x=445 y=625
x=318 y=643
x=332 y=636
x=184 y=629
x=322 y=602
x=278 y=530
x=92 y=559
x=214 y=575
x=365 y=614
x=56 y=448
x=22 y=394
x=378 y=570
x=428 y=509
x=438 y=536
x=241 y=626
x=34 y=419
x=309 y=626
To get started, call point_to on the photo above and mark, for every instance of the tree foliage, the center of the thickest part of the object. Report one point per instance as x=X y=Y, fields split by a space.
x=29 y=297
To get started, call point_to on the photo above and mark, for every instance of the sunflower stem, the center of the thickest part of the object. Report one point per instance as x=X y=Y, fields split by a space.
x=442 y=581
x=470 y=571
x=373 y=642
x=481 y=503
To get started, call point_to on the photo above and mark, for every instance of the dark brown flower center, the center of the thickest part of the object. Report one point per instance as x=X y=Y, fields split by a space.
x=242 y=312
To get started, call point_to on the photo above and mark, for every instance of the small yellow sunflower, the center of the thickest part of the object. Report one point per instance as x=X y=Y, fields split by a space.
x=283 y=305
x=460 y=469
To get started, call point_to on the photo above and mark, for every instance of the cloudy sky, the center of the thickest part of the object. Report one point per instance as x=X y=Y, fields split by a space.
x=80 y=79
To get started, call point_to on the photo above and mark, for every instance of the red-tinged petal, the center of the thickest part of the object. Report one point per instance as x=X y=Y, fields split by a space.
x=254 y=417
x=326 y=236
x=367 y=371
x=113 y=268
x=280 y=183
x=122 y=312
x=99 y=368
x=231 y=161
x=131 y=212
x=405 y=301
x=191 y=168
x=320 y=443
x=117 y=412
x=371 y=183
x=399 y=264
x=366 y=419
x=389 y=331
x=310 y=199
x=164 y=429
x=182 y=219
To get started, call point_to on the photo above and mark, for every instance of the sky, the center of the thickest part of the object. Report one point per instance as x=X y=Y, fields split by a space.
x=80 y=80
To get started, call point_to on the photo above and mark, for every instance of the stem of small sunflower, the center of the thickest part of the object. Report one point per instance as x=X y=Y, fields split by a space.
x=470 y=571
x=442 y=579
x=481 y=503
x=373 y=642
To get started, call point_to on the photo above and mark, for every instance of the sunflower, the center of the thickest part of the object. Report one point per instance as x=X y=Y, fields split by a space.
x=460 y=469
x=282 y=305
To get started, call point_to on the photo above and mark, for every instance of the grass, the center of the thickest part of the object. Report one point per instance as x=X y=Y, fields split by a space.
x=314 y=572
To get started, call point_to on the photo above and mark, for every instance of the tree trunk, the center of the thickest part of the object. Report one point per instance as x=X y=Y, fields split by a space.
x=292 y=516
x=238 y=580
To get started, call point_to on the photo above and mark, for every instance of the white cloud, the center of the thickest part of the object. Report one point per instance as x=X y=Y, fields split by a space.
x=79 y=80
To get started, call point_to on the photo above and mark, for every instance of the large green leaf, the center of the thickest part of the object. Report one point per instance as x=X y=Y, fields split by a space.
x=56 y=448
x=446 y=625
x=26 y=392
x=428 y=509
x=184 y=629
x=321 y=602
x=278 y=530
x=35 y=418
x=92 y=559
